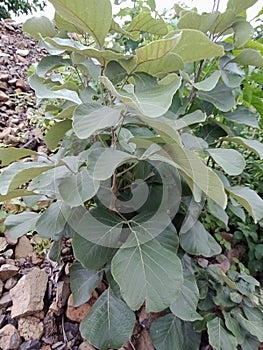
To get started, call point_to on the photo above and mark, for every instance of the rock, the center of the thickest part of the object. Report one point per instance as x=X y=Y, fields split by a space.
x=10 y=283
x=3 y=96
x=71 y=330
x=86 y=346
x=30 y=328
x=59 y=346
x=1 y=287
x=2 y=260
x=5 y=300
x=2 y=320
x=4 y=76
x=30 y=345
x=9 y=338
x=3 y=243
x=23 y=248
x=28 y=294
x=21 y=84
x=8 y=253
x=8 y=271
x=77 y=313
x=22 y=53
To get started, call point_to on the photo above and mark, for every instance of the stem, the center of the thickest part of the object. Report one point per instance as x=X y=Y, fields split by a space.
x=197 y=77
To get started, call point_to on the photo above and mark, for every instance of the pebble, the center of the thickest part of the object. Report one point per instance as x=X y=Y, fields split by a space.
x=9 y=338
x=30 y=345
x=30 y=328
x=2 y=320
x=8 y=254
x=22 y=53
x=23 y=248
x=78 y=313
x=3 y=96
x=10 y=283
x=7 y=271
x=5 y=300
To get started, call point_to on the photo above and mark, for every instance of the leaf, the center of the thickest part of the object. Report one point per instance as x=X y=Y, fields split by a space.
x=252 y=145
x=230 y=160
x=48 y=63
x=18 y=174
x=249 y=57
x=167 y=333
x=219 y=337
x=221 y=97
x=233 y=326
x=144 y=22
x=83 y=282
x=240 y=6
x=197 y=241
x=243 y=115
x=185 y=305
x=195 y=45
x=39 y=27
x=78 y=188
x=42 y=91
x=209 y=83
x=90 y=118
x=152 y=103
x=243 y=31
x=112 y=322
x=52 y=221
x=91 y=16
x=56 y=133
x=193 y=20
x=147 y=273
x=249 y=199
x=217 y=212
x=66 y=26
x=254 y=327
x=187 y=120
x=20 y=224
x=15 y=194
x=192 y=167
x=91 y=255
x=11 y=154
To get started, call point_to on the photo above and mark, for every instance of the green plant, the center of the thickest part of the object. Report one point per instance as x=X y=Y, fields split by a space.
x=19 y=6
x=144 y=139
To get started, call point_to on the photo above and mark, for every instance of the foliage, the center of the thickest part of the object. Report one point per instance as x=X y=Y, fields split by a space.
x=144 y=138
x=19 y=6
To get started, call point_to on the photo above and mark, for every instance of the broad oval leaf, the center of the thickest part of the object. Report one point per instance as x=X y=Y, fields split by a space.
x=47 y=63
x=56 y=133
x=208 y=83
x=243 y=32
x=148 y=273
x=91 y=16
x=144 y=22
x=11 y=154
x=20 y=224
x=219 y=337
x=252 y=145
x=83 y=282
x=90 y=118
x=231 y=161
x=243 y=115
x=240 y=6
x=39 y=27
x=109 y=324
x=250 y=57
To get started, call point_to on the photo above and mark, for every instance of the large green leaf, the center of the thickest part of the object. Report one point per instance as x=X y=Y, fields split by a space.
x=252 y=145
x=193 y=20
x=91 y=255
x=11 y=154
x=193 y=167
x=233 y=326
x=151 y=103
x=144 y=22
x=56 y=133
x=231 y=161
x=109 y=324
x=147 y=273
x=195 y=45
x=76 y=189
x=18 y=174
x=217 y=212
x=243 y=32
x=184 y=307
x=249 y=57
x=39 y=27
x=219 y=337
x=90 y=118
x=243 y=115
x=15 y=194
x=249 y=199
x=197 y=241
x=91 y=16
x=209 y=83
x=222 y=97
x=43 y=91
x=47 y=63
x=253 y=326
x=240 y=6
x=20 y=224
x=83 y=282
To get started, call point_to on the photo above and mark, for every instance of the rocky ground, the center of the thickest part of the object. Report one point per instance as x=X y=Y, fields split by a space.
x=36 y=307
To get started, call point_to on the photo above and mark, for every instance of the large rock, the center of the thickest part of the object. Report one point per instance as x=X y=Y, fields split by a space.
x=23 y=248
x=30 y=328
x=9 y=338
x=28 y=294
x=7 y=271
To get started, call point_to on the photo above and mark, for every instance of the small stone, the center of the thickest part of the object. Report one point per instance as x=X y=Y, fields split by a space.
x=28 y=293
x=8 y=271
x=21 y=84
x=9 y=338
x=86 y=346
x=3 y=96
x=5 y=300
x=3 y=85
x=10 y=283
x=77 y=313
x=2 y=260
x=2 y=320
x=58 y=346
x=22 y=53
x=4 y=76
x=8 y=253
x=21 y=58
x=30 y=328
x=3 y=243
x=23 y=248
x=30 y=345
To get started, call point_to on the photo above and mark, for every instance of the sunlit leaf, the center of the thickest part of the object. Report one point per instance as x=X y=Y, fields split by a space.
x=230 y=160
x=39 y=27
x=11 y=154
x=144 y=22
